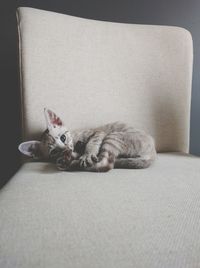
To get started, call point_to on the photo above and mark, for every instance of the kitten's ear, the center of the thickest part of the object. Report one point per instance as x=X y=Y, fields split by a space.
x=52 y=119
x=30 y=148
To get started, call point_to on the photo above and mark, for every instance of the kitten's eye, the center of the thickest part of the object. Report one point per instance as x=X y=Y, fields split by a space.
x=63 y=138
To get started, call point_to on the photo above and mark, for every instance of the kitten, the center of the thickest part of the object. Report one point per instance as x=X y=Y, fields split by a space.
x=114 y=145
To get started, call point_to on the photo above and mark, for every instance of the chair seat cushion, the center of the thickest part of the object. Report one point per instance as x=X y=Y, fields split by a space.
x=123 y=218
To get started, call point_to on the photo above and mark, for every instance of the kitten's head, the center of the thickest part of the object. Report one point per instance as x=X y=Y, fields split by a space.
x=54 y=141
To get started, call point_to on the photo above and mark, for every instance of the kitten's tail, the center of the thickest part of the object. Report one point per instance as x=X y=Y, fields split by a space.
x=134 y=163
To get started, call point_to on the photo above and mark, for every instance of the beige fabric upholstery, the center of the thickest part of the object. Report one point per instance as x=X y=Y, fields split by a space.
x=122 y=219
x=91 y=72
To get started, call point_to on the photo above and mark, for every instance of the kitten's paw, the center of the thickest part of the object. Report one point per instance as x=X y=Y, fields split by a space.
x=87 y=160
x=61 y=164
x=94 y=158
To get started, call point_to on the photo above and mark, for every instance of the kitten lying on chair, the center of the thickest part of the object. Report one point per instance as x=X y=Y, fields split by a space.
x=114 y=145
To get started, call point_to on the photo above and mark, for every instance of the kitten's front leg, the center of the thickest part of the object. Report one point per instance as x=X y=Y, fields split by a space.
x=88 y=159
x=68 y=161
x=73 y=166
x=92 y=149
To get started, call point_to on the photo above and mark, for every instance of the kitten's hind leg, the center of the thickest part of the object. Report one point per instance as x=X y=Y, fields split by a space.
x=105 y=163
x=134 y=163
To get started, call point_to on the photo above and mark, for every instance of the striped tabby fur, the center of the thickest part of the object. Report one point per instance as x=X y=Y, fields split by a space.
x=114 y=145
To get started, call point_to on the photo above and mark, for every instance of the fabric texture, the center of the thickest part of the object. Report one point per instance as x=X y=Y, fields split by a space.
x=93 y=72
x=120 y=219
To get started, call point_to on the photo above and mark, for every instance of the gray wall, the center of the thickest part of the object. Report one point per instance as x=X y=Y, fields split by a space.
x=182 y=13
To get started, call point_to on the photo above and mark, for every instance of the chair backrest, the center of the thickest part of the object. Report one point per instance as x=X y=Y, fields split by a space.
x=94 y=72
